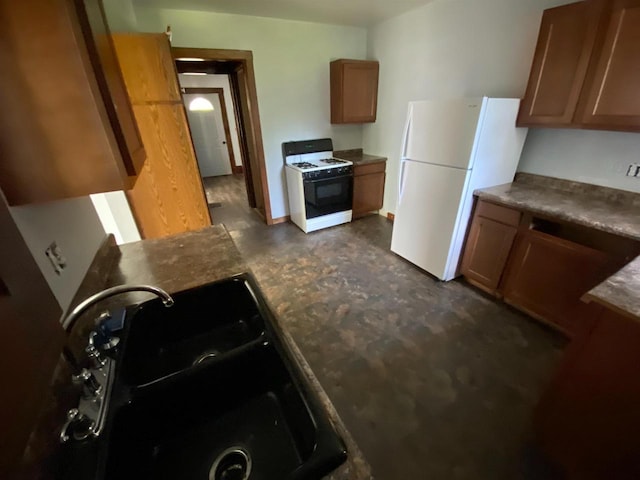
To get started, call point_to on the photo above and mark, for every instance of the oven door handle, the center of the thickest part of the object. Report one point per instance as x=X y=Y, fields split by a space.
x=316 y=180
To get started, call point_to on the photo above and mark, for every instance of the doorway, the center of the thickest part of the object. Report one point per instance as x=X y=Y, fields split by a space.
x=213 y=138
x=248 y=158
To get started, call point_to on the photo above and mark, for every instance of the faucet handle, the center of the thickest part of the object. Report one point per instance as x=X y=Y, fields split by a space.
x=92 y=388
x=80 y=426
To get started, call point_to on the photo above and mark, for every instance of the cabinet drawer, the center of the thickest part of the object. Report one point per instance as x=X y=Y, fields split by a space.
x=369 y=168
x=498 y=213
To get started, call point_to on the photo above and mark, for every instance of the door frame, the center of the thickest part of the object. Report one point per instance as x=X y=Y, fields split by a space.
x=225 y=120
x=251 y=124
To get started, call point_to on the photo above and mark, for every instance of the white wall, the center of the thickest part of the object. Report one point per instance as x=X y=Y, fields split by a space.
x=218 y=81
x=291 y=61
x=75 y=227
x=586 y=156
x=448 y=48
x=121 y=16
x=115 y=215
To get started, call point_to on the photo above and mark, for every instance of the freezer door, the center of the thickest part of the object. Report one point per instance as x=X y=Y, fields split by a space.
x=443 y=132
x=428 y=216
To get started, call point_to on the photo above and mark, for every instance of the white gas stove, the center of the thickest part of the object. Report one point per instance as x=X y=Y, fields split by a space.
x=320 y=187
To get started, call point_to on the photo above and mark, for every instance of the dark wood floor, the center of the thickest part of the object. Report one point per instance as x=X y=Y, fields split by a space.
x=434 y=380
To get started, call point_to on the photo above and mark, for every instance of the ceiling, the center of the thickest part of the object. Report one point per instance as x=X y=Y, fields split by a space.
x=361 y=13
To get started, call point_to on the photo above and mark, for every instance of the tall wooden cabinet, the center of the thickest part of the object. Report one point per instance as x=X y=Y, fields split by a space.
x=168 y=196
x=585 y=68
x=354 y=91
x=67 y=127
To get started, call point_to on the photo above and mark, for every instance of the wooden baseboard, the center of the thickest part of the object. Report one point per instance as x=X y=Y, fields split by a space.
x=278 y=220
x=391 y=216
x=237 y=169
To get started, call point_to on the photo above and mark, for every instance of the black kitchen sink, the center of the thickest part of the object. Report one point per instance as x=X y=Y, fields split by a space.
x=205 y=323
x=244 y=415
x=208 y=390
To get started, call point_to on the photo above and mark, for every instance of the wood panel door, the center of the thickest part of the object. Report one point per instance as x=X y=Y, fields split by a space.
x=354 y=91
x=31 y=341
x=547 y=276
x=611 y=98
x=487 y=249
x=168 y=197
x=564 y=48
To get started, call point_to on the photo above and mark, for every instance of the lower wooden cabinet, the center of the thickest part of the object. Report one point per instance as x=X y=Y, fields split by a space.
x=547 y=276
x=540 y=266
x=368 y=188
x=486 y=253
x=587 y=420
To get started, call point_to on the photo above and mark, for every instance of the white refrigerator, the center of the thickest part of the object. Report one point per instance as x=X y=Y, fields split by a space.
x=450 y=148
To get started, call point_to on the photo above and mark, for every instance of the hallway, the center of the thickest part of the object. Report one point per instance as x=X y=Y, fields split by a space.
x=434 y=380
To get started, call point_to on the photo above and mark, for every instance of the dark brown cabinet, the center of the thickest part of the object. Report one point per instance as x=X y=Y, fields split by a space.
x=565 y=43
x=489 y=243
x=541 y=266
x=67 y=128
x=547 y=276
x=354 y=91
x=368 y=188
x=585 y=68
x=610 y=98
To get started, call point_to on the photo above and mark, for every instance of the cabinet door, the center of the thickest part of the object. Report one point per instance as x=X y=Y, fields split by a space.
x=610 y=99
x=354 y=91
x=368 y=193
x=560 y=62
x=547 y=276
x=486 y=252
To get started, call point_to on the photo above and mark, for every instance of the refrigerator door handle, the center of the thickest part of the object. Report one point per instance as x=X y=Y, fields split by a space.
x=401 y=181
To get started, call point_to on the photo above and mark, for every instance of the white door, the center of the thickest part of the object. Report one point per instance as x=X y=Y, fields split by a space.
x=427 y=216
x=207 y=130
x=443 y=132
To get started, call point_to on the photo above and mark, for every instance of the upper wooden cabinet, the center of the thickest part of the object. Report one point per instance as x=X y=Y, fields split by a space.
x=610 y=97
x=67 y=128
x=565 y=43
x=585 y=68
x=354 y=91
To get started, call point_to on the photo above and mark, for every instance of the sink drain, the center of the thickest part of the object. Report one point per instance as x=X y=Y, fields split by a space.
x=204 y=357
x=232 y=464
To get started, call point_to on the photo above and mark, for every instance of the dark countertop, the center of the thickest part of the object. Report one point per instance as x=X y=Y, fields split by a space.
x=606 y=209
x=357 y=157
x=619 y=292
x=173 y=263
x=187 y=260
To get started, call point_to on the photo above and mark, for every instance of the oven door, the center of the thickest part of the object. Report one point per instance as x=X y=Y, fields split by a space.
x=328 y=195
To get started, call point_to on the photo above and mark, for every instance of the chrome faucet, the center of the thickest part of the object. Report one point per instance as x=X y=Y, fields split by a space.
x=88 y=419
x=83 y=306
